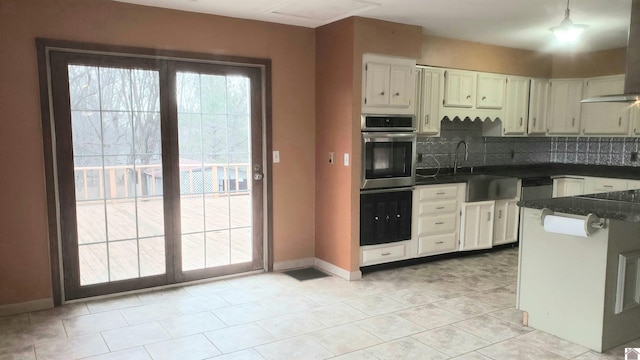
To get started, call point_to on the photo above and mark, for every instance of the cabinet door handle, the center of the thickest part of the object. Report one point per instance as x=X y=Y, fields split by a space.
x=573 y=122
x=439 y=223
x=489 y=216
x=397 y=94
x=520 y=121
x=382 y=93
x=607 y=186
x=468 y=97
x=398 y=216
x=439 y=242
x=439 y=207
x=440 y=193
x=534 y=121
x=620 y=121
x=376 y=218
x=426 y=119
x=386 y=254
x=483 y=98
x=499 y=214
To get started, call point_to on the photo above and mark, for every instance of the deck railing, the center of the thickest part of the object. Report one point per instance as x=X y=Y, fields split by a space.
x=123 y=181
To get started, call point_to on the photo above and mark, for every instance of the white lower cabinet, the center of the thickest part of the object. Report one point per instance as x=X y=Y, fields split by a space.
x=594 y=185
x=378 y=254
x=572 y=186
x=568 y=186
x=477 y=225
x=438 y=244
x=505 y=223
x=633 y=184
x=436 y=218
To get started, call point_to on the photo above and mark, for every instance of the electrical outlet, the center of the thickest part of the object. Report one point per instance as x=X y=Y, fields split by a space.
x=332 y=157
x=634 y=156
x=346 y=159
x=276 y=156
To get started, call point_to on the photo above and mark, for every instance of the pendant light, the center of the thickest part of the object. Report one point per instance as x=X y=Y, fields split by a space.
x=567 y=31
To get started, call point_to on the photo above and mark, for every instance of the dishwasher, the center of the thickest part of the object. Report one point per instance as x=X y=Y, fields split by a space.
x=537 y=188
x=540 y=187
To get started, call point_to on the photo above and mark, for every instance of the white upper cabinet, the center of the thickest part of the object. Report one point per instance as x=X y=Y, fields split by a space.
x=564 y=107
x=401 y=83
x=377 y=88
x=388 y=85
x=459 y=88
x=516 y=111
x=538 y=106
x=605 y=118
x=428 y=87
x=490 y=93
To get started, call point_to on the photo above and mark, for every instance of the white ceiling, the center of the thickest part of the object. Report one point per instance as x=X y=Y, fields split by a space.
x=520 y=24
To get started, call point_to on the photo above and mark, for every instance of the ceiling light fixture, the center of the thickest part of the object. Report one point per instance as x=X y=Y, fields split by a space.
x=567 y=31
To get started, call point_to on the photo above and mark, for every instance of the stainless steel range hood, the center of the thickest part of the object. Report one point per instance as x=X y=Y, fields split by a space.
x=632 y=75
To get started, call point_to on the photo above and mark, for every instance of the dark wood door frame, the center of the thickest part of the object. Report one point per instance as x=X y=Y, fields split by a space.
x=44 y=49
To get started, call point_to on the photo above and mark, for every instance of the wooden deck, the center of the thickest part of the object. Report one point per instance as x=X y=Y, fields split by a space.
x=216 y=232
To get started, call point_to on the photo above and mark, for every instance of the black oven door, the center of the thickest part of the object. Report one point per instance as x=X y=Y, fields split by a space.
x=388 y=160
x=385 y=216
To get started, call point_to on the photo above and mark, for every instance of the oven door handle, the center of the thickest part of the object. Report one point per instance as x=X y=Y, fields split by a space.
x=388 y=136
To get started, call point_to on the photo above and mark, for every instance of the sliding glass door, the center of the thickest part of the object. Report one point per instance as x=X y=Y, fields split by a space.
x=159 y=170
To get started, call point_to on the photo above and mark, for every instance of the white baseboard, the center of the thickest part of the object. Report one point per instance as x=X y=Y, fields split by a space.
x=337 y=271
x=19 y=308
x=292 y=264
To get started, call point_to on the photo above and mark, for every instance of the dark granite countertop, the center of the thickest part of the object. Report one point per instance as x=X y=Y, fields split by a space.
x=617 y=205
x=529 y=171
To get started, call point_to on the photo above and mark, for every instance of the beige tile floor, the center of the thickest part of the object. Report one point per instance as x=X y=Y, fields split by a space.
x=459 y=308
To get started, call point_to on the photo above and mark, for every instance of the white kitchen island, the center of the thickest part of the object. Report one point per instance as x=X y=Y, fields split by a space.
x=575 y=287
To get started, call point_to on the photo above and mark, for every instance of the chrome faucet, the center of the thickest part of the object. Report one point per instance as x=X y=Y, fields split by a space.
x=455 y=158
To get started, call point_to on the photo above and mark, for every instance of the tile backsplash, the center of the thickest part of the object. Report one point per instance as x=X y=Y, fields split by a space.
x=487 y=151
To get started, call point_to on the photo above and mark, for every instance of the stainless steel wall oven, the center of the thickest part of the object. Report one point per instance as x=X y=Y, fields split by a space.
x=388 y=152
x=387 y=178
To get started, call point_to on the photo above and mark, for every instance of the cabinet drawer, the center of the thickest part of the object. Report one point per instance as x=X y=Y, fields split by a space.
x=438 y=244
x=383 y=254
x=438 y=207
x=439 y=192
x=606 y=185
x=437 y=224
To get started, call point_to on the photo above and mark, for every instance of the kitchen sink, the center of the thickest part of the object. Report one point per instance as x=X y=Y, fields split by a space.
x=481 y=187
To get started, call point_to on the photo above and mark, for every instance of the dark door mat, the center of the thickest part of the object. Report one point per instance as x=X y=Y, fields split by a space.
x=306 y=274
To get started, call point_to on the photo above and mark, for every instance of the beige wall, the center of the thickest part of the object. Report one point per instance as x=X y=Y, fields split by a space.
x=24 y=241
x=334 y=132
x=459 y=54
x=582 y=65
x=339 y=49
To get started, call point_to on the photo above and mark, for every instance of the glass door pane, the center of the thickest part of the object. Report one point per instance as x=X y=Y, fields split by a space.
x=117 y=157
x=214 y=126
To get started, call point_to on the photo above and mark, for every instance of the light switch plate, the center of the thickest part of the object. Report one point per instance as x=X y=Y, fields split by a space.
x=332 y=157
x=276 y=156
x=346 y=159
